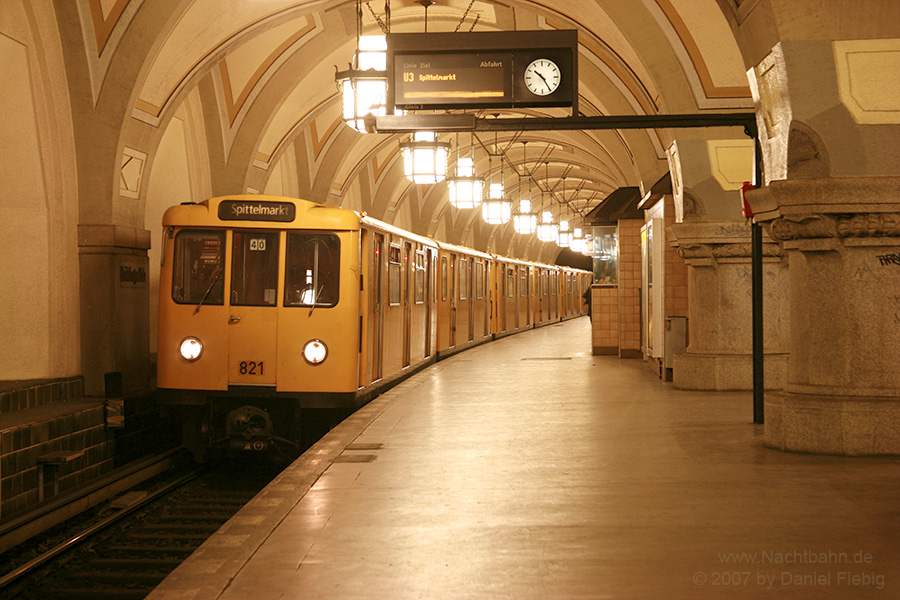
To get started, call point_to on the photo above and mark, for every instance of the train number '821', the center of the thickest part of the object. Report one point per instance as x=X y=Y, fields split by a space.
x=251 y=368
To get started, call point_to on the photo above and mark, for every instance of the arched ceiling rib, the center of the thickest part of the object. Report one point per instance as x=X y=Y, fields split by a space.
x=270 y=66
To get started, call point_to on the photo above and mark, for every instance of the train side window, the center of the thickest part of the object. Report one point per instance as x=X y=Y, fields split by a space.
x=479 y=280
x=420 y=277
x=545 y=282
x=312 y=269
x=523 y=281
x=394 y=276
x=443 y=278
x=463 y=275
x=199 y=263
x=511 y=283
x=254 y=268
x=553 y=283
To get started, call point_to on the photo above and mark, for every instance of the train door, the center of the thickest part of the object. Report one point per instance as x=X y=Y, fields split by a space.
x=253 y=314
x=429 y=312
x=452 y=300
x=376 y=301
x=407 y=309
x=470 y=276
x=553 y=302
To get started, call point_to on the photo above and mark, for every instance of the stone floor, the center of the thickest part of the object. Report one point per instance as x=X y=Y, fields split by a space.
x=528 y=468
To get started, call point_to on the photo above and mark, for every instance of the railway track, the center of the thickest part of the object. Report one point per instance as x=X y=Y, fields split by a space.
x=134 y=542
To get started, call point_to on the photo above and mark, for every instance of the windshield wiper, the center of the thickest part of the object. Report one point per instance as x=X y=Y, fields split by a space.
x=316 y=299
x=208 y=290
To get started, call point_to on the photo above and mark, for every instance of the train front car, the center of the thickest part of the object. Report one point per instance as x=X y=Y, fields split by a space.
x=258 y=319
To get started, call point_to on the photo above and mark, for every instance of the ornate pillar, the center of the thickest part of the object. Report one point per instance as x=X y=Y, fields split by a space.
x=842 y=239
x=719 y=354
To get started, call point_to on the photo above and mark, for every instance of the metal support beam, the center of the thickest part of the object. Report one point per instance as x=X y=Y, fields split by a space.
x=756 y=290
x=469 y=122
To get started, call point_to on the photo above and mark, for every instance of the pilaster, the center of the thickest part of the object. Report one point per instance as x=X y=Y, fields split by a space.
x=115 y=306
x=719 y=354
x=842 y=239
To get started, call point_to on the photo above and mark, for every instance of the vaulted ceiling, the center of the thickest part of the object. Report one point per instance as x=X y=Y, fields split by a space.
x=256 y=80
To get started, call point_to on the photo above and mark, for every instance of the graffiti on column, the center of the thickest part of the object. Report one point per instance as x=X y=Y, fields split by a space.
x=889 y=259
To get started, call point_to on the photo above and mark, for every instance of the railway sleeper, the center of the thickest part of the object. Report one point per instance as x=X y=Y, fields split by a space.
x=185 y=527
x=96 y=594
x=169 y=536
x=136 y=563
x=184 y=550
x=141 y=578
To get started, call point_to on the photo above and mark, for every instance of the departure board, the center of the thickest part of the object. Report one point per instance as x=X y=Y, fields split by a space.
x=466 y=78
x=500 y=69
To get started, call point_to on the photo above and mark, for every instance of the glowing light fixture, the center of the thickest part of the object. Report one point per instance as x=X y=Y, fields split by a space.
x=548 y=230
x=425 y=158
x=496 y=208
x=363 y=86
x=466 y=189
x=524 y=221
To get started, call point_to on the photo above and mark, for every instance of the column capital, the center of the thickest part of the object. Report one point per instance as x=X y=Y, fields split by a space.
x=715 y=239
x=852 y=207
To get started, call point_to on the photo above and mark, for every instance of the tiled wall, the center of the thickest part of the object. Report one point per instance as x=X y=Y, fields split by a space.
x=21 y=446
x=630 y=287
x=605 y=319
x=15 y=396
x=75 y=426
x=676 y=271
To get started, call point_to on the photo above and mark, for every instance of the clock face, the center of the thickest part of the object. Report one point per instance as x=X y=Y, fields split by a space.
x=542 y=77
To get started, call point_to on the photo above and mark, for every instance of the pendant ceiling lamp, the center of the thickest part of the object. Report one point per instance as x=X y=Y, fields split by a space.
x=524 y=221
x=363 y=86
x=465 y=188
x=565 y=234
x=425 y=158
x=496 y=208
x=548 y=230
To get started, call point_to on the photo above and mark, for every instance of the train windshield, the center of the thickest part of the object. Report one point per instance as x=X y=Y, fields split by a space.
x=198 y=268
x=311 y=272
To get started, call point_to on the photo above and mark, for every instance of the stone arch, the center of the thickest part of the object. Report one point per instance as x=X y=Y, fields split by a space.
x=807 y=156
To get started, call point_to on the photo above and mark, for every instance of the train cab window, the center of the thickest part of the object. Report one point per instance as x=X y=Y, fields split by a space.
x=420 y=277
x=254 y=268
x=312 y=269
x=510 y=283
x=463 y=274
x=479 y=280
x=199 y=264
x=394 y=272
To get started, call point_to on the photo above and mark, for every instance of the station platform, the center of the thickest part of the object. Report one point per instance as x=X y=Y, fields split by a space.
x=528 y=468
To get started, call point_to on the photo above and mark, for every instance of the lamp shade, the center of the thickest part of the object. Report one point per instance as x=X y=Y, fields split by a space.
x=565 y=236
x=548 y=231
x=425 y=158
x=465 y=189
x=496 y=209
x=525 y=221
x=364 y=88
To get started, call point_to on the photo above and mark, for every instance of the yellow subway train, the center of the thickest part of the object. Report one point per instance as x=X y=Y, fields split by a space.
x=273 y=307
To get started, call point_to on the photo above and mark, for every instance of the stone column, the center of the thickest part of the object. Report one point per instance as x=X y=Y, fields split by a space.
x=719 y=354
x=114 y=306
x=842 y=239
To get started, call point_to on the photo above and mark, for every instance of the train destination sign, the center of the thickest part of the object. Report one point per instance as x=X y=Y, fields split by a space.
x=466 y=79
x=505 y=69
x=256 y=210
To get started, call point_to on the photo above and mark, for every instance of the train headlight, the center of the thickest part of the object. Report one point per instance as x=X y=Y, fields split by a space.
x=190 y=348
x=315 y=351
